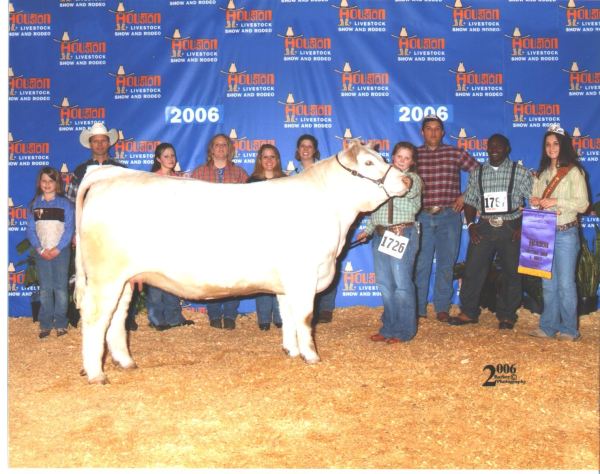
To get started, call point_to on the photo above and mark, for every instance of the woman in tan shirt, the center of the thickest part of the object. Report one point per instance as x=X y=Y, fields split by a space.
x=561 y=187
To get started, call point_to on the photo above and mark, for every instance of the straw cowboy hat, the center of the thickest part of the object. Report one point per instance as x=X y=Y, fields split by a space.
x=98 y=129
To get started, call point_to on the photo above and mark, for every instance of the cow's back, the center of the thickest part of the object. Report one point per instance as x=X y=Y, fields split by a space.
x=235 y=235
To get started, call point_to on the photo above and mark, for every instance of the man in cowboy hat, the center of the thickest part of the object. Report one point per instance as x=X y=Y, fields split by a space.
x=98 y=139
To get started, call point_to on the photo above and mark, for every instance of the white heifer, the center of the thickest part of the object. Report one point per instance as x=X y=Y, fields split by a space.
x=202 y=240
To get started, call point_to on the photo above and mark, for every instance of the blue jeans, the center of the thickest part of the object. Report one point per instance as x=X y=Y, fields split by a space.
x=54 y=290
x=267 y=309
x=560 y=292
x=394 y=278
x=223 y=308
x=325 y=301
x=164 y=309
x=440 y=234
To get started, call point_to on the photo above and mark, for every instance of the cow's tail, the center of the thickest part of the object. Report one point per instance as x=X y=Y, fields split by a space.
x=105 y=172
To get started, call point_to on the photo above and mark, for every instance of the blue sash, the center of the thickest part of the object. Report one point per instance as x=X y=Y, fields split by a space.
x=537 y=243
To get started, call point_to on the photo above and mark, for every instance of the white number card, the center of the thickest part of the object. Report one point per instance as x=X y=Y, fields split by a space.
x=393 y=245
x=495 y=202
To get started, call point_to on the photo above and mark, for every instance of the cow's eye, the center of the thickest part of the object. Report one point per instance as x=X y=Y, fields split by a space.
x=368 y=163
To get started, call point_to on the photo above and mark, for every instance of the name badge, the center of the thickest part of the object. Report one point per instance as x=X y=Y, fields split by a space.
x=393 y=245
x=495 y=202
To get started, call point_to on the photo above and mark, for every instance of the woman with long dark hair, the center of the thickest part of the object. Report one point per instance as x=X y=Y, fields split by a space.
x=267 y=166
x=164 y=309
x=561 y=187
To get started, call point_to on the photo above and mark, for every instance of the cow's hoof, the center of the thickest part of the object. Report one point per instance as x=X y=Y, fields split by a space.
x=99 y=380
x=128 y=366
x=291 y=353
x=131 y=366
x=312 y=359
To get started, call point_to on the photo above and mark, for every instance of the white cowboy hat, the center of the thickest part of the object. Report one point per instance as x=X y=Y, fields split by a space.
x=98 y=129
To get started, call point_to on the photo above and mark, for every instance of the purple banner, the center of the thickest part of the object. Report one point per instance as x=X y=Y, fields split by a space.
x=537 y=243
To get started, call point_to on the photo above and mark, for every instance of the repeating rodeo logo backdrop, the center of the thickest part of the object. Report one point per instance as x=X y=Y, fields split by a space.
x=268 y=71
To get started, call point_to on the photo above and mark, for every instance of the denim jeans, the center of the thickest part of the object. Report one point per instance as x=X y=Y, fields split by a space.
x=394 y=278
x=479 y=257
x=164 y=309
x=223 y=308
x=325 y=301
x=440 y=234
x=560 y=292
x=54 y=290
x=267 y=309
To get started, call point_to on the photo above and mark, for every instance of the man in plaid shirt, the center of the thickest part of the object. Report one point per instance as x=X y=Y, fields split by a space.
x=439 y=167
x=219 y=168
x=496 y=191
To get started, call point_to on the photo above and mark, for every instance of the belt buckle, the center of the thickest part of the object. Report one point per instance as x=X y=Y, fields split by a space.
x=496 y=221
x=435 y=210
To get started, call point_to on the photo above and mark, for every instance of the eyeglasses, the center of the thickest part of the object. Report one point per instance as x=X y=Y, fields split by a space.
x=555 y=128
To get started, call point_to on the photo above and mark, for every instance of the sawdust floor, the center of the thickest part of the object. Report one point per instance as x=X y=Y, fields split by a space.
x=210 y=398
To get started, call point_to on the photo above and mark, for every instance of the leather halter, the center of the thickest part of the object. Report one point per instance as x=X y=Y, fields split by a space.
x=379 y=182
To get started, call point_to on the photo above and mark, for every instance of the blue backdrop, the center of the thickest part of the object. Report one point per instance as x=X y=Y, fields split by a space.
x=269 y=71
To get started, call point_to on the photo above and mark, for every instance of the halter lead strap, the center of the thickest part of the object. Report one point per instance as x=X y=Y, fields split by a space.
x=379 y=182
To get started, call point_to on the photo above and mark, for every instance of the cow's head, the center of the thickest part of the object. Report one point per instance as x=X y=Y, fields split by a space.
x=380 y=180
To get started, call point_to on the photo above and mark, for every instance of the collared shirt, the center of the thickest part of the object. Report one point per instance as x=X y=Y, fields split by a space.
x=405 y=208
x=55 y=229
x=440 y=171
x=231 y=174
x=497 y=180
x=79 y=173
x=571 y=193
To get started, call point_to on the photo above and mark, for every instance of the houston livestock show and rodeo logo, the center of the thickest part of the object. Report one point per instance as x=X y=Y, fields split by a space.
x=356 y=83
x=80 y=52
x=134 y=23
x=417 y=48
x=27 y=153
x=582 y=82
x=466 y=18
x=131 y=86
x=298 y=114
x=477 y=147
x=358 y=282
x=185 y=49
x=23 y=88
x=581 y=17
x=587 y=147
x=531 y=114
x=528 y=48
x=353 y=17
x=22 y=24
x=248 y=84
x=134 y=151
x=296 y=47
x=73 y=117
x=470 y=83
x=243 y=20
